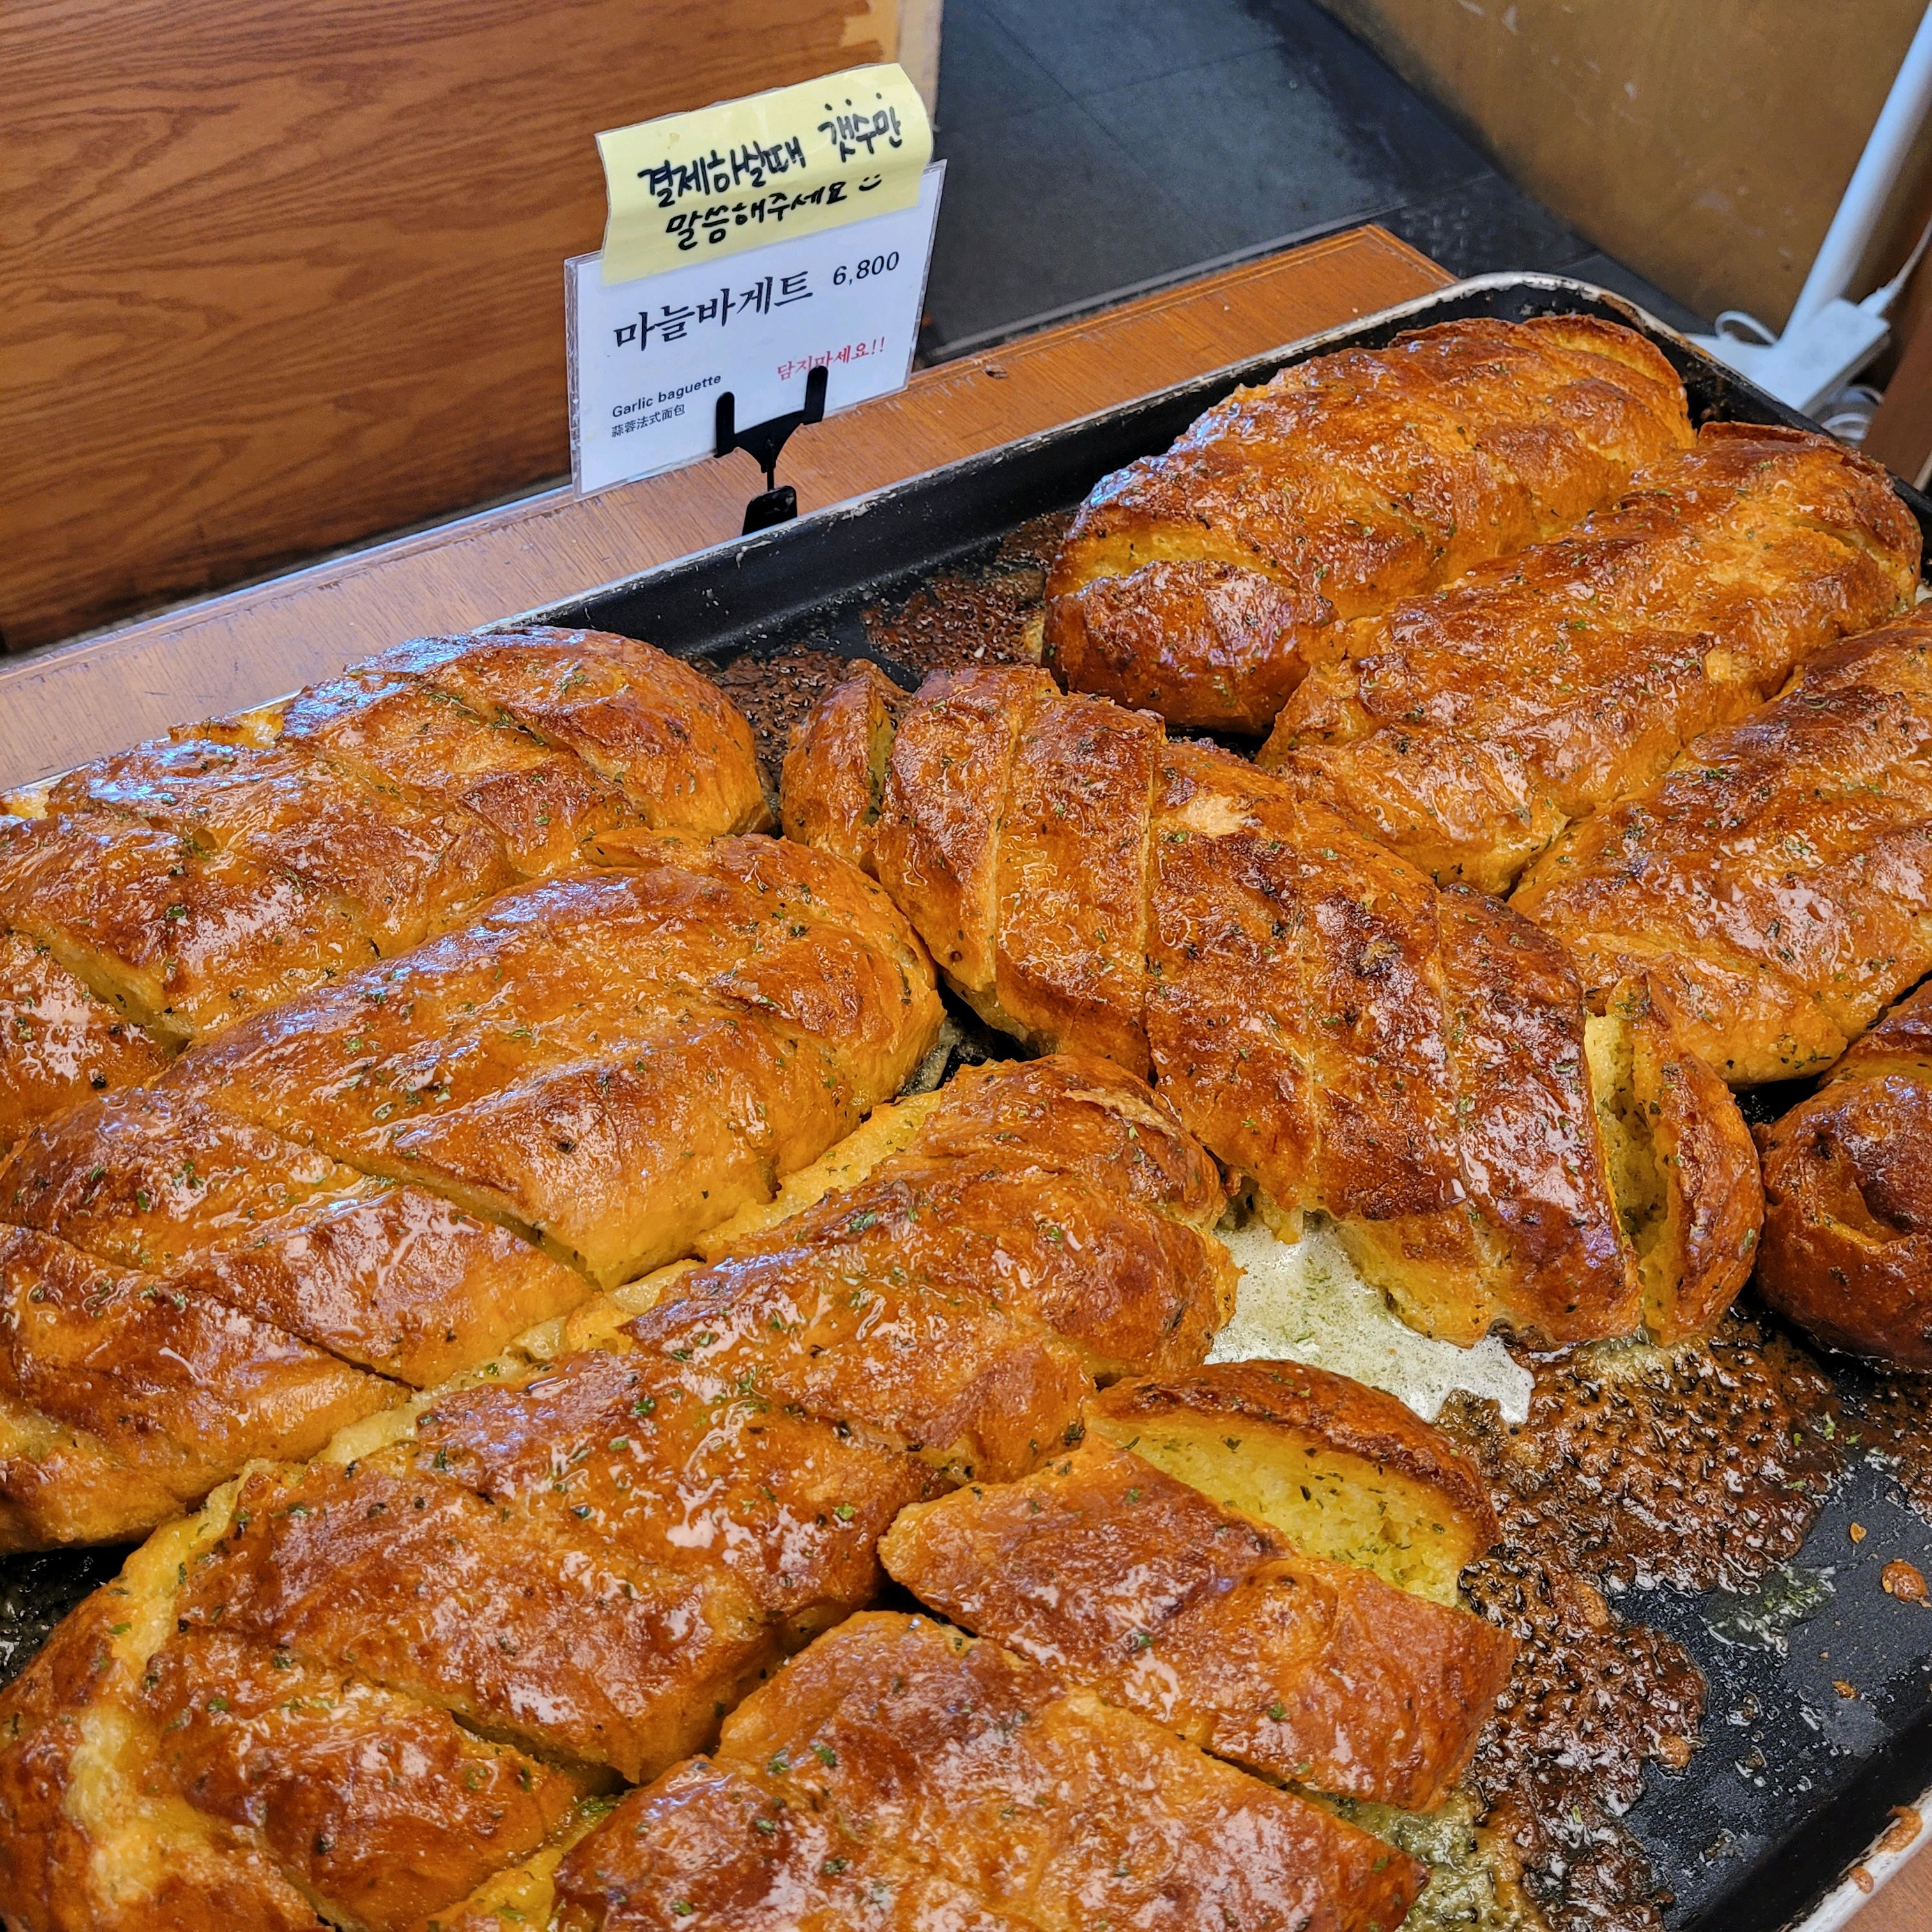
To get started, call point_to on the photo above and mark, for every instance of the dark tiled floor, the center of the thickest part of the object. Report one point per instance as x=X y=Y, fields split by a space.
x=1094 y=147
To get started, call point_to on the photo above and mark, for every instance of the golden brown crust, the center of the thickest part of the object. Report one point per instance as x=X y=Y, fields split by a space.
x=91 y=1840
x=151 y=1177
x=947 y=1377
x=970 y=1761
x=1205 y=582
x=1821 y=799
x=171 y=1383
x=555 y=1574
x=1074 y=1114
x=393 y=1279
x=395 y=861
x=380 y=1808
x=1847 y=1247
x=938 y=836
x=1465 y=729
x=550 y=1636
x=1107 y=1572
x=58 y=1041
x=835 y=767
x=677 y=745
x=719 y=1846
x=637 y=1451
x=1714 y=1199
x=180 y=941
x=614 y=1061
x=1407 y=1058
x=392 y=726
x=1054 y=1196
x=196 y=879
x=1543 y=1209
x=1071 y=878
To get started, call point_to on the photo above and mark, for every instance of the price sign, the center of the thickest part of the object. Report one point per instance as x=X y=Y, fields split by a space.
x=649 y=357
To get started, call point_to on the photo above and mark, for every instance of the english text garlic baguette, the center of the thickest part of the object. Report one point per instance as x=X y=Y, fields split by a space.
x=396 y=1680
x=1773 y=882
x=1467 y=728
x=380 y=1182
x=1205 y=583
x=155 y=897
x=1413 y=1060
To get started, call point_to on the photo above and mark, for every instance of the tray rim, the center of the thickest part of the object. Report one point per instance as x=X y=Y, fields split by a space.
x=818 y=523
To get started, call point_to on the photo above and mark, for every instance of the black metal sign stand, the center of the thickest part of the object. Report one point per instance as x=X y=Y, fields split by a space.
x=778 y=504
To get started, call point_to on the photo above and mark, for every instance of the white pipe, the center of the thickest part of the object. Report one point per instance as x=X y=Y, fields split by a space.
x=1872 y=181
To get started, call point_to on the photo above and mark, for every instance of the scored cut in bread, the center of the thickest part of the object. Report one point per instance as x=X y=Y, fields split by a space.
x=972 y=1766
x=1467 y=729
x=1111 y=1573
x=1408 y=1059
x=1203 y=582
x=381 y=1182
x=1847 y=1251
x=1821 y=800
x=555 y=1574
x=169 y=891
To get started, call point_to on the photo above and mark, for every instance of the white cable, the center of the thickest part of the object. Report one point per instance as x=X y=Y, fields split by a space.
x=1741 y=325
x=1872 y=180
x=1879 y=301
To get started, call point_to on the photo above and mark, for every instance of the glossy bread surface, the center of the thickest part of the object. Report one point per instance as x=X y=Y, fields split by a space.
x=1205 y=583
x=381 y=1182
x=1107 y=1572
x=1776 y=882
x=1407 y=1058
x=194 y=881
x=1466 y=729
x=58 y=1041
x=1847 y=1249
x=967 y=1761
x=394 y=1679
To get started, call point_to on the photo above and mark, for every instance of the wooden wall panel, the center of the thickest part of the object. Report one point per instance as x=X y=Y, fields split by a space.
x=1706 y=143
x=279 y=274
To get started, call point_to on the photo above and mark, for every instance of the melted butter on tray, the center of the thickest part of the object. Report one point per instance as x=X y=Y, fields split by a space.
x=1471 y=1887
x=1303 y=1301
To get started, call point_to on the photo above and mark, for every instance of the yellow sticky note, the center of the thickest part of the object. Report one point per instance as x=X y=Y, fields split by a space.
x=742 y=173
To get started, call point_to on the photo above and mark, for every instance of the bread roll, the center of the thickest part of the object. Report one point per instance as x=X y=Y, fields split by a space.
x=375 y=1184
x=1206 y=582
x=407 y=1674
x=970 y=1765
x=1213 y=1620
x=1847 y=1249
x=1774 y=882
x=1414 y=1061
x=158 y=895
x=1467 y=729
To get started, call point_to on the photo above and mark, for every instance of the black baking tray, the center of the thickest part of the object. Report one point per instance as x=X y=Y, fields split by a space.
x=1793 y=1782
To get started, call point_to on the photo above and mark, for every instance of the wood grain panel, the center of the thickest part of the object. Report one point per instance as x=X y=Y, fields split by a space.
x=281 y=273
x=59 y=708
x=1706 y=145
x=1905 y=1905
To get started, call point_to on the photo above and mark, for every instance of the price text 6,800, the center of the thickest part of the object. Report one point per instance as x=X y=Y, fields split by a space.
x=857 y=272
